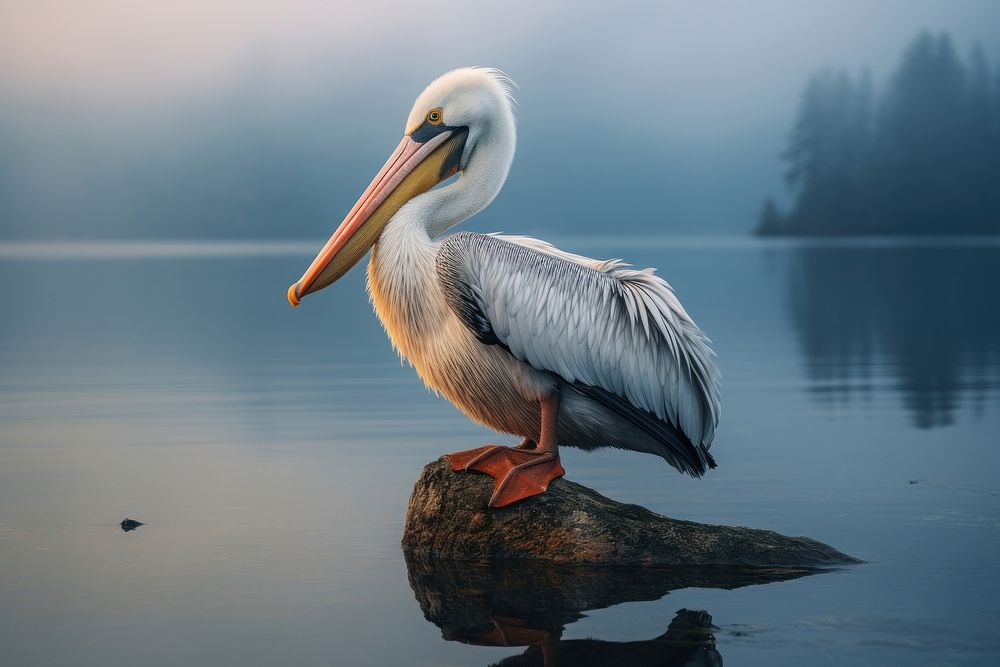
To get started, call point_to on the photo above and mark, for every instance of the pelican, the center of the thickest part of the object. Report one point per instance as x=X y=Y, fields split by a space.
x=532 y=341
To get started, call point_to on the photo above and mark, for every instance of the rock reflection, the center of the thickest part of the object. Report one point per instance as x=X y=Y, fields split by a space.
x=529 y=604
x=928 y=313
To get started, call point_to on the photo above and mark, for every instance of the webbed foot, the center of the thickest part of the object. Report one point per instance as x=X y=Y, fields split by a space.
x=518 y=472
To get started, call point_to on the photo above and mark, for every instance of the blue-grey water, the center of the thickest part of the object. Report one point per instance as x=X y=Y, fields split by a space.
x=271 y=453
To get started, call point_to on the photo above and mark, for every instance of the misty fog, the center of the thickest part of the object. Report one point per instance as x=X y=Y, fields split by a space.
x=266 y=120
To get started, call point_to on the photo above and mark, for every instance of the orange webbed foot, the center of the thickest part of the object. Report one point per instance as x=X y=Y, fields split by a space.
x=518 y=473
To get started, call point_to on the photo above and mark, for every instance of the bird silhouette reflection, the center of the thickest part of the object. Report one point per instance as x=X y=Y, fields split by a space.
x=529 y=604
x=688 y=640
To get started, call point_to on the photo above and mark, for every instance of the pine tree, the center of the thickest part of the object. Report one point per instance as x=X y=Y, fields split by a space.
x=770 y=220
x=827 y=151
x=919 y=128
x=977 y=141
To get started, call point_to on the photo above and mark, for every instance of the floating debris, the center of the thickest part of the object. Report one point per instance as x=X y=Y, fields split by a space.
x=130 y=524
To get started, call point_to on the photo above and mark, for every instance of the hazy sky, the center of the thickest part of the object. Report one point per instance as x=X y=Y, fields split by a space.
x=691 y=100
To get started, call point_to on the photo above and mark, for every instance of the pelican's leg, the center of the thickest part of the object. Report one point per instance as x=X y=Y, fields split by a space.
x=522 y=471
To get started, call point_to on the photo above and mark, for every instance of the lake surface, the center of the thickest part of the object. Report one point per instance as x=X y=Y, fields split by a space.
x=271 y=452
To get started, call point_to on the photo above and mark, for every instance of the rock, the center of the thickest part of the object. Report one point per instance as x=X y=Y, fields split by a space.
x=570 y=523
x=130 y=524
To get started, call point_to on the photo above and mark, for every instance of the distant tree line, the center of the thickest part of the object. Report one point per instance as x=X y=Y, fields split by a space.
x=921 y=157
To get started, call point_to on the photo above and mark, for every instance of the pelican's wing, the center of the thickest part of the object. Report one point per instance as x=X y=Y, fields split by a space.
x=596 y=324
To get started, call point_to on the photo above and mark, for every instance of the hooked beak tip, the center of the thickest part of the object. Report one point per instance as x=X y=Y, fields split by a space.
x=293 y=295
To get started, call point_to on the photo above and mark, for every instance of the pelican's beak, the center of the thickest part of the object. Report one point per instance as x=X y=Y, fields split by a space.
x=424 y=158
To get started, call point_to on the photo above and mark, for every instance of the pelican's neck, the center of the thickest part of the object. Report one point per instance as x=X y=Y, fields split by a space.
x=402 y=282
x=488 y=156
x=401 y=273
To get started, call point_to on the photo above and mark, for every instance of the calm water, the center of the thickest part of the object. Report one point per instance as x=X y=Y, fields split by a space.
x=271 y=454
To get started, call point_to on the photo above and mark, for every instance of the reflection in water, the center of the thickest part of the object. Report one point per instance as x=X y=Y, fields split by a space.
x=687 y=641
x=530 y=604
x=929 y=313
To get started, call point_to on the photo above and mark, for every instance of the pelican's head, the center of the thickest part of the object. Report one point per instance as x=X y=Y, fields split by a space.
x=463 y=122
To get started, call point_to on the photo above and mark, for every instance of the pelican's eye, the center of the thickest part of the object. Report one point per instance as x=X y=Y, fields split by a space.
x=434 y=116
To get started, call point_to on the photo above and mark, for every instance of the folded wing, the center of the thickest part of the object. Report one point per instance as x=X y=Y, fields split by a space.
x=593 y=323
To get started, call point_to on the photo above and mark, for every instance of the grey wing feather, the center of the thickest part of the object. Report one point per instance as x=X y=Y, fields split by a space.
x=593 y=323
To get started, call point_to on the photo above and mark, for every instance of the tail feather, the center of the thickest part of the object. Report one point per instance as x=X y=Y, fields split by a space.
x=678 y=450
